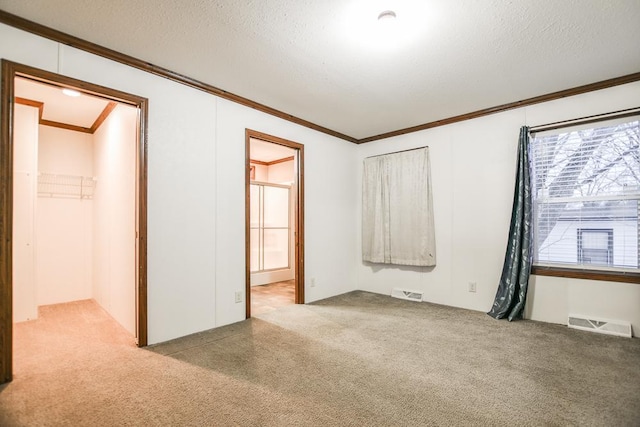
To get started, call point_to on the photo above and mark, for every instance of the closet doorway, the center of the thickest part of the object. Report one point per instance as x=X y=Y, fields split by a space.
x=274 y=222
x=72 y=211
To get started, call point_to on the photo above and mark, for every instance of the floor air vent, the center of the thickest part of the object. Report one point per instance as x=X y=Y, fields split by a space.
x=603 y=326
x=406 y=294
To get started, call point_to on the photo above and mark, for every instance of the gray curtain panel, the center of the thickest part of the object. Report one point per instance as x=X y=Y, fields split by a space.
x=397 y=209
x=512 y=290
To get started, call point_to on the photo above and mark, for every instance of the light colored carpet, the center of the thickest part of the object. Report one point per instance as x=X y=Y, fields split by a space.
x=353 y=360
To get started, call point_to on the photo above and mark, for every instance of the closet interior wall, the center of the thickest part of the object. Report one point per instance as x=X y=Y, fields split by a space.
x=69 y=247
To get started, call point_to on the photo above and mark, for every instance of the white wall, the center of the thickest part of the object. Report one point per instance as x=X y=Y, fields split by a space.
x=196 y=191
x=281 y=173
x=114 y=215
x=262 y=172
x=25 y=172
x=278 y=173
x=196 y=200
x=473 y=169
x=63 y=225
x=330 y=192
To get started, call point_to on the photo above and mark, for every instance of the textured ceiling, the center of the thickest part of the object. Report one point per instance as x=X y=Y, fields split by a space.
x=327 y=61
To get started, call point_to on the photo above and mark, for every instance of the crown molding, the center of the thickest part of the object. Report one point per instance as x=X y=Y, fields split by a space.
x=78 y=43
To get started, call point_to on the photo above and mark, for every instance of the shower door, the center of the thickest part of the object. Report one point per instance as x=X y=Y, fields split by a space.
x=270 y=226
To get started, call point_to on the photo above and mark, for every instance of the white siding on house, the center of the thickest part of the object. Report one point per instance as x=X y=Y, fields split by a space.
x=562 y=243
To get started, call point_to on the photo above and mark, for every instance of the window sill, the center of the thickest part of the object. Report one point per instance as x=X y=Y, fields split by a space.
x=610 y=276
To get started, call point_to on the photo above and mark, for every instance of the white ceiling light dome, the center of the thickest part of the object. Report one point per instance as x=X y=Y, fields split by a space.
x=387 y=15
x=71 y=92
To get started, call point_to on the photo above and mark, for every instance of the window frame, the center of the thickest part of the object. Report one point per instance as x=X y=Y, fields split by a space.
x=582 y=271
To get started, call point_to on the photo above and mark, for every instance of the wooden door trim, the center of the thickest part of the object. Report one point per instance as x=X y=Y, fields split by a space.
x=299 y=215
x=7 y=99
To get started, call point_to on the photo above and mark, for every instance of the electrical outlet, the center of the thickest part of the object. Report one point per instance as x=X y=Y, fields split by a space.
x=312 y=282
x=238 y=296
x=472 y=286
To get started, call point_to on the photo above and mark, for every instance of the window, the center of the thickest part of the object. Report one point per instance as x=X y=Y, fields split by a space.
x=586 y=189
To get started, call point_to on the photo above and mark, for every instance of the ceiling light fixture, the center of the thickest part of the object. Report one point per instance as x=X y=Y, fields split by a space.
x=385 y=25
x=70 y=92
x=386 y=16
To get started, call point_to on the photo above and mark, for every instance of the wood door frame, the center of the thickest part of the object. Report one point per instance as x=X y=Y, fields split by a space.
x=11 y=70
x=299 y=214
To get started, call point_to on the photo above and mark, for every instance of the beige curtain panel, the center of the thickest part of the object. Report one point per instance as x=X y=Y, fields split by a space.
x=397 y=209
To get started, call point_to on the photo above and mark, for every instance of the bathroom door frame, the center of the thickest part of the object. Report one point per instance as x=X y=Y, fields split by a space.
x=11 y=70
x=298 y=215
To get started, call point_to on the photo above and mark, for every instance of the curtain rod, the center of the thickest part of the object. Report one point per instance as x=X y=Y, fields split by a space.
x=588 y=119
x=396 y=152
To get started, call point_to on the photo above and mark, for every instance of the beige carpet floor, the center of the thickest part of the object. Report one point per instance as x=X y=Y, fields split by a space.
x=359 y=359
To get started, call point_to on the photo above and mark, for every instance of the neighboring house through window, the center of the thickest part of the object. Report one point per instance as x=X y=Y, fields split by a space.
x=595 y=246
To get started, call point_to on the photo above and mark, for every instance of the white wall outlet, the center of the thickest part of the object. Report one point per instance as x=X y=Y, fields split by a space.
x=238 y=296
x=312 y=282
x=472 y=286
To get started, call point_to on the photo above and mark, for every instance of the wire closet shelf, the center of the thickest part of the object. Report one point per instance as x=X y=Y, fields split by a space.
x=65 y=186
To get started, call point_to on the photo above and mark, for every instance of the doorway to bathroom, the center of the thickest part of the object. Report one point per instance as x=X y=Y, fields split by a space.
x=274 y=223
